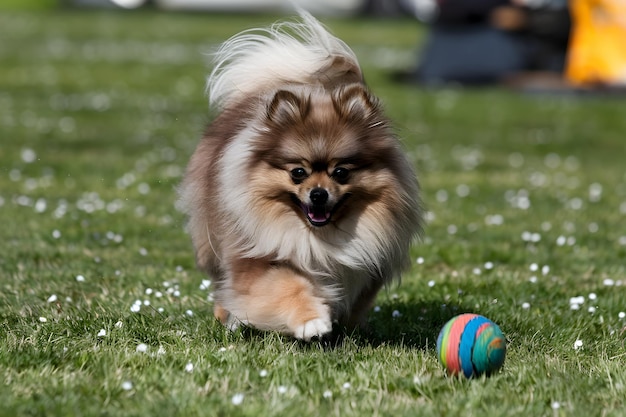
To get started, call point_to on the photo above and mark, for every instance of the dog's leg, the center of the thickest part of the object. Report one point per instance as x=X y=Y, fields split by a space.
x=357 y=318
x=224 y=316
x=274 y=297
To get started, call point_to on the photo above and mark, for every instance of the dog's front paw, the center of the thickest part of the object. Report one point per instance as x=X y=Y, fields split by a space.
x=315 y=328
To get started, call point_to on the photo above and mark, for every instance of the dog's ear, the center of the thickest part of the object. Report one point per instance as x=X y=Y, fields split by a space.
x=340 y=71
x=354 y=102
x=286 y=107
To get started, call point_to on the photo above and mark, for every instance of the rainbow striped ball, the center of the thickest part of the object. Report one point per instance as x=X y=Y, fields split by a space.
x=472 y=345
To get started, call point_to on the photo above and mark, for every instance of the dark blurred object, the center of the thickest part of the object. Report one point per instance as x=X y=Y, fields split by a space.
x=388 y=7
x=483 y=41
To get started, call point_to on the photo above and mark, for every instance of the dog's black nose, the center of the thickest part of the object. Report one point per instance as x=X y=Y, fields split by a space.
x=318 y=196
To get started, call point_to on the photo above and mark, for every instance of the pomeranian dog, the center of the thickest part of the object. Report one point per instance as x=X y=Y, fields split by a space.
x=301 y=203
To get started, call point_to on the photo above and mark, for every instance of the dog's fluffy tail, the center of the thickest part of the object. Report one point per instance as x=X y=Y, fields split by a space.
x=260 y=60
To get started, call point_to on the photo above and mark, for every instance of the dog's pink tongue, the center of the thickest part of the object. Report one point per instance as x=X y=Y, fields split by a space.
x=318 y=215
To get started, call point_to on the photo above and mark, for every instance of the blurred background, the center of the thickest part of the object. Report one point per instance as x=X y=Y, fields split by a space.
x=322 y=7
x=550 y=46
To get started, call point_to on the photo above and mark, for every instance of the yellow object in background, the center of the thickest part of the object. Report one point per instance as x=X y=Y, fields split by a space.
x=597 y=48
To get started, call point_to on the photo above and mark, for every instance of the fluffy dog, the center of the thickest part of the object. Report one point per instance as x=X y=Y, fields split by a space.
x=300 y=200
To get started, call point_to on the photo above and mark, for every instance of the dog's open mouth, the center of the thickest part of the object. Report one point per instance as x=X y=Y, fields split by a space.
x=318 y=215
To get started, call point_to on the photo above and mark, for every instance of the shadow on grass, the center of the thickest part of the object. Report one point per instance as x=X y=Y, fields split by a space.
x=411 y=324
x=414 y=325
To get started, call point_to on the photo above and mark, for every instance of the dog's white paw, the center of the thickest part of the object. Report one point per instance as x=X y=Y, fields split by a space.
x=313 y=328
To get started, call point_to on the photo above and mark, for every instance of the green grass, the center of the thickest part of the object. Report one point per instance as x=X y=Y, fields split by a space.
x=99 y=112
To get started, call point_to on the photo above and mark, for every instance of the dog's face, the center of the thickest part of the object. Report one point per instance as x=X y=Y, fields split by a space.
x=320 y=189
x=323 y=155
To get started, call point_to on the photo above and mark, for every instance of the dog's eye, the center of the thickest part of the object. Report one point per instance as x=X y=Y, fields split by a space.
x=341 y=174
x=298 y=175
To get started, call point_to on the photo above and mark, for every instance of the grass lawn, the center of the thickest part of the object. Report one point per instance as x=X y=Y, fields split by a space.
x=102 y=311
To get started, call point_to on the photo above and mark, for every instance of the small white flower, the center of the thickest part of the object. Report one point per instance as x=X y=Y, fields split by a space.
x=43 y=319
x=525 y=306
x=119 y=324
x=346 y=385
x=56 y=234
x=52 y=298
x=327 y=394
x=80 y=278
x=420 y=260
x=263 y=373
x=555 y=405
x=420 y=379
x=577 y=300
x=237 y=399
x=621 y=315
x=431 y=283
x=143 y=251
x=608 y=282
x=591 y=309
x=141 y=348
x=189 y=367
x=148 y=291
x=143 y=188
x=396 y=314
x=376 y=309
x=102 y=333
x=488 y=265
x=28 y=155
x=534 y=267
x=578 y=344
x=40 y=205
x=592 y=296
x=127 y=385
x=442 y=196
x=135 y=308
x=282 y=389
x=462 y=190
x=189 y=313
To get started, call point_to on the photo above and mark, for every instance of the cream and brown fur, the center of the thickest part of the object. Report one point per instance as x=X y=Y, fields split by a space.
x=301 y=201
